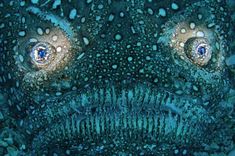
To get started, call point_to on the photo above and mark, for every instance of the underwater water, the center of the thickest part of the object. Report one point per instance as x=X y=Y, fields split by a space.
x=117 y=77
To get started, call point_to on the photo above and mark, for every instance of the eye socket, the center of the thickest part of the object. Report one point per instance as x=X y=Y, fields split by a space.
x=42 y=54
x=198 y=50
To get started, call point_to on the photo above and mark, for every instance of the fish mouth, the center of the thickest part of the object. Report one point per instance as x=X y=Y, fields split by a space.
x=122 y=116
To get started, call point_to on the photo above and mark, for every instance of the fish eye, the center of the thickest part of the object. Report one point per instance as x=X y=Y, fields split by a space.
x=42 y=54
x=198 y=50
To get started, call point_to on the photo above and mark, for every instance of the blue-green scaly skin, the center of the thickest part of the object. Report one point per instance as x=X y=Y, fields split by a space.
x=122 y=86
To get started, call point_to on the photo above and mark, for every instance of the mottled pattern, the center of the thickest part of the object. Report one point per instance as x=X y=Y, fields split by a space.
x=109 y=77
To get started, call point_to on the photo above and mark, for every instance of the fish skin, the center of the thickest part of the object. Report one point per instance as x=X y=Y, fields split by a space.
x=116 y=58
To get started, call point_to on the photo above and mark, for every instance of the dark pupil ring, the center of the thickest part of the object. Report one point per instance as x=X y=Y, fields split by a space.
x=201 y=50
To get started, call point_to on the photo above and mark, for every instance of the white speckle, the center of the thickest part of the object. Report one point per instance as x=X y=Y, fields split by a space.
x=150 y=11
x=72 y=13
x=54 y=38
x=58 y=93
x=21 y=33
x=21 y=58
x=121 y=14
x=217 y=46
x=192 y=25
x=130 y=59
x=176 y=151
x=111 y=17
x=148 y=58
x=1 y=118
x=56 y=4
x=221 y=8
x=58 y=49
x=114 y=66
x=80 y=56
x=183 y=31
x=199 y=16
x=34 y=1
x=118 y=37
x=17 y=84
x=83 y=19
x=33 y=40
x=40 y=31
x=23 y=19
x=211 y=25
x=174 y=6
x=97 y=18
x=155 y=47
x=2 y=25
x=22 y=3
x=100 y=6
x=200 y=34
x=88 y=1
x=86 y=41
x=162 y=12
x=9 y=76
x=195 y=88
x=47 y=30
x=181 y=44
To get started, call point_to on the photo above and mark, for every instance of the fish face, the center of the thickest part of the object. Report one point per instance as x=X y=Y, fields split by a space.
x=116 y=77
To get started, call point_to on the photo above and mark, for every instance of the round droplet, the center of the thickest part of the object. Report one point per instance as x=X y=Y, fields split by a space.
x=121 y=14
x=200 y=34
x=118 y=37
x=86 y=41
x=22 y=33
x=155 y=80
x=148 y=58
x=162 y=12
x=181 y=44
x=21 y=58
x=195 y=88
x=47 y=30
x=111 y=17
x=174 y=6
x=183 y=31
x=199 y=16
x=154 y=47
x=114 y=66
x=54 y=38
x=40 y=31
x=58 y=49
x=150 y=11
x=130 y=59
x=192 y=25
x=73 y=14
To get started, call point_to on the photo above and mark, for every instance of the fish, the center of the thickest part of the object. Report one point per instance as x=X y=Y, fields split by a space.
x=108 y=77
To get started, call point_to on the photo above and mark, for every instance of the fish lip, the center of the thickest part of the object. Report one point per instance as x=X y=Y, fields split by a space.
x=142 y=105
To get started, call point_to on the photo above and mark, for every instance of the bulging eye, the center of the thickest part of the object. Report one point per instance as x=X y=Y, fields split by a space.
x=42 y=54
x=198 y=50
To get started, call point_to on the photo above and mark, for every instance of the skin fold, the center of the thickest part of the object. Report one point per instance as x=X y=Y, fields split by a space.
x=108 y=77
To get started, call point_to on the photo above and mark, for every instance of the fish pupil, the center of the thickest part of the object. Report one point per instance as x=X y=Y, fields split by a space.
x=201 y=50
x=42 y=53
